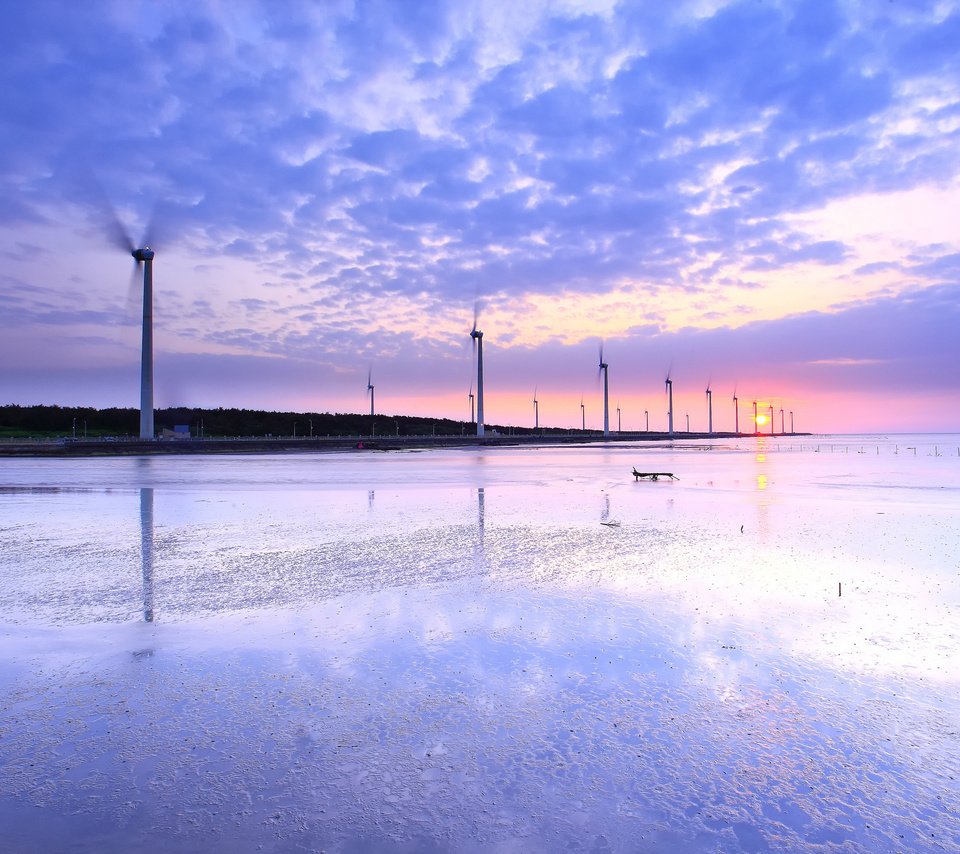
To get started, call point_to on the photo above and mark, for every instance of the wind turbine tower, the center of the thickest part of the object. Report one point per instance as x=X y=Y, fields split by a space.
x=583 y=416
x=536 y=411
x=606 y=399
x=709 y=410
x=470 y=396
x=756 y=426
x=477 y=337
x=145 y=256
x=771 y=419
x=370 y=389
x=669 y=387
x=736 y=414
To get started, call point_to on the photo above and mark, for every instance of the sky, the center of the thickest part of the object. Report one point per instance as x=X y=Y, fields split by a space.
x=758 y=196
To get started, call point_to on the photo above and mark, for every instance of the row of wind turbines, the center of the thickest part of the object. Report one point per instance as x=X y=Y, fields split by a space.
x=603 y=371
x=144 y=256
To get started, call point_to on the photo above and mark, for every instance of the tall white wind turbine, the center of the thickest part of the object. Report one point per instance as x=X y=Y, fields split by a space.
x=370 y=389
x=144 y=255
x=536 y=410
x=477 y=337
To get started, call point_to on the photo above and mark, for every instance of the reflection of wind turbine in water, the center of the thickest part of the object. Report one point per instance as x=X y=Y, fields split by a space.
x=480 y=512
x=479 y=557
x=146 y=550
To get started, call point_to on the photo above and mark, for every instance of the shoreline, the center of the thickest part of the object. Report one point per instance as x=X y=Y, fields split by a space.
x=325 y=444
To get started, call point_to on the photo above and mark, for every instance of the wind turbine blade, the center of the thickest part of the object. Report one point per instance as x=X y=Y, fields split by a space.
x=157 y=227
x=134 y=290
x=110 y=224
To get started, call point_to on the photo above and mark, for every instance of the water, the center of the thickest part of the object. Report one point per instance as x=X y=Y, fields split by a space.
x=496 y=650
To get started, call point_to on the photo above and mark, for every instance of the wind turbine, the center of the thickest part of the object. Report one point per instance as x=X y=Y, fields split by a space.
x=619 y=429
x=477 y=337
x=791 y=422
x=646 y=417
x=736 y=414
x=709 y=409
x=370 y=389
x=144 y=255
x=606 y=400
x=782 y=430
x=771 y=419
x=583 y=415
x=756 y=426
x=668 y=385
x=536 y=410
x=470 y=396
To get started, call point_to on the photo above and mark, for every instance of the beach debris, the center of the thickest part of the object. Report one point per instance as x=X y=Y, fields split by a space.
x=741 y=529
x=653 y=475
x=613 y=523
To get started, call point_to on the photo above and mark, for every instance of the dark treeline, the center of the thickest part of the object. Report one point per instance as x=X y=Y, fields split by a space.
x=78 y=421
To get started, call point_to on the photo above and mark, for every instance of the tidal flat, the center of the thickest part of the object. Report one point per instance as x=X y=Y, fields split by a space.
x=485 y=649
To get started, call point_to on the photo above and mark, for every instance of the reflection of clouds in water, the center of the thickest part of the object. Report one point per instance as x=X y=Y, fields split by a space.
x=674 y=673
x=453 y=712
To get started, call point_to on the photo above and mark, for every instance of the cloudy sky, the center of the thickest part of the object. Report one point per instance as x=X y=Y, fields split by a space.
x=758 y=195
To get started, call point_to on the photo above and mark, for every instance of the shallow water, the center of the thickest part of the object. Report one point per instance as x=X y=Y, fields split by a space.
x=450 y=650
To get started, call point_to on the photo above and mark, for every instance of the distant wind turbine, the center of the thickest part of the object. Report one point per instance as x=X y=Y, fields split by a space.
x=756 y=426
x=771 y=419
x=470 y=395
x=646 y=417
x=370 y=389
x=477 y=337
x=618 y=420
x=536 y=410
x=668 y=385
x=791 y=422
x=709 y=409
x=606 y=401
x=782 y=431
x=736 y=414
x=583 y=415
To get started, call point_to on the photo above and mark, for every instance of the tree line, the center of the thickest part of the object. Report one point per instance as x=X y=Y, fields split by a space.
x=84 y=421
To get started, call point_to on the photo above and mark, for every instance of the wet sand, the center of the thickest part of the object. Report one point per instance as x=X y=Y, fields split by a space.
x=511 y=649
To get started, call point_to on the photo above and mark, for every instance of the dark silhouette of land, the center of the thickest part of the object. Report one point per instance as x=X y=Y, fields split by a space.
x=82 y=431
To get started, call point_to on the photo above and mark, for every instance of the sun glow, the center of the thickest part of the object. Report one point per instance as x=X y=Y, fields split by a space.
x=761 y=420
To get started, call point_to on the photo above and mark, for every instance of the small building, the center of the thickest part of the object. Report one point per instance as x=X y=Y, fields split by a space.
x=179 y=431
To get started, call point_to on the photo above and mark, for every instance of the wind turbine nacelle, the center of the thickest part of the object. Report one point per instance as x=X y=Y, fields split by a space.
x=145 y=254
x=476 y=333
